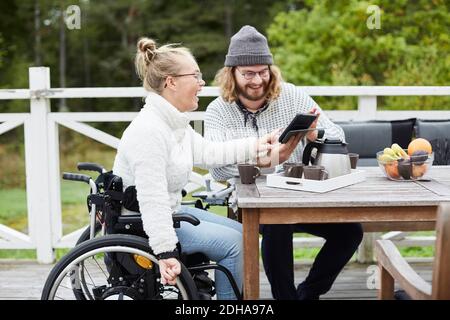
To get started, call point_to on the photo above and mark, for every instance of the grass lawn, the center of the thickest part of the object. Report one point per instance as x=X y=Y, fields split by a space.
x=13 y=213
x=13 y=204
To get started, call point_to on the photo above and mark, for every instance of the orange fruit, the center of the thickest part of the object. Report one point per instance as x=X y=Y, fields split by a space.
x=419 y=144
x=418 y=170
x=392 y=169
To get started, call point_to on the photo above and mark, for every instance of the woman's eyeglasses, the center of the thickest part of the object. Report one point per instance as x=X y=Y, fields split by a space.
x=249 y=75
x=197 y=75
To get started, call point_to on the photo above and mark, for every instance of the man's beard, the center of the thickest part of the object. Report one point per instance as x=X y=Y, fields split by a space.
x=242 y=91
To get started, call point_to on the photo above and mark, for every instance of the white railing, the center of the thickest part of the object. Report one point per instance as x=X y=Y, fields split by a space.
x=42 y=146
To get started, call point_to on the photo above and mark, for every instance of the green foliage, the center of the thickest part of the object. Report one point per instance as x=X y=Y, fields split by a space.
x=2 y=51
x=417 y=251
x=101 y=53
x=407 y=252
x=319 y=42
x=329 y=43
x=28 y=254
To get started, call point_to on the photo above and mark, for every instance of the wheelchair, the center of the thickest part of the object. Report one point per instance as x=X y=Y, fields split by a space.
x=112 y=259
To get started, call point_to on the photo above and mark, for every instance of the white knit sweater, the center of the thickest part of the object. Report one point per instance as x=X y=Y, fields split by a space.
x=224 y=121
x=157 y=153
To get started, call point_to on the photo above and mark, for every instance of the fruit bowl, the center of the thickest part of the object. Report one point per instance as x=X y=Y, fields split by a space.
x=407 y=168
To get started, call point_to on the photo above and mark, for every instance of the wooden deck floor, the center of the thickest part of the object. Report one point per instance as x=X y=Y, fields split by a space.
x=25 y=279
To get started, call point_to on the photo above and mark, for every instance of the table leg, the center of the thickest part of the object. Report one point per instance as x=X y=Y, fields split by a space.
x=250 y=224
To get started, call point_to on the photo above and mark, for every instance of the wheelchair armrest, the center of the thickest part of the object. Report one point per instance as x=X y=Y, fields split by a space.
x=136 y=220
x=178 y=217
x=201 y=194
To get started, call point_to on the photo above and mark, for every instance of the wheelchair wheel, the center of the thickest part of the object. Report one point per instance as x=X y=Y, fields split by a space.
x=114 y=267
x=87 y=233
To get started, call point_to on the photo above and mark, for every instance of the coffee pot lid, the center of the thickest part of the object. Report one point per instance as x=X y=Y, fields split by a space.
x=334 y=141
x=334 y=146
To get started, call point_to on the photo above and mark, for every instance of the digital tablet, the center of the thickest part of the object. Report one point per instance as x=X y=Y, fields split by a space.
x=300 y=124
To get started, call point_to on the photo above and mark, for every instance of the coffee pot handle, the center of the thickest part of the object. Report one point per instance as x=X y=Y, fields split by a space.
x=307 y=152
x=320 y=133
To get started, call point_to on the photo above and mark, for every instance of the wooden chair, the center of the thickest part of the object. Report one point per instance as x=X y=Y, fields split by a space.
x=393 y=266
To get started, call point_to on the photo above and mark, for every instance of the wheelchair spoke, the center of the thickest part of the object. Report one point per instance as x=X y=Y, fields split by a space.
x=67 y=279
x=84 y=283
x=98 y=264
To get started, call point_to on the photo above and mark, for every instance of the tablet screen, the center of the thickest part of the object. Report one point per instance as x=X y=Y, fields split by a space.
x=300 y=124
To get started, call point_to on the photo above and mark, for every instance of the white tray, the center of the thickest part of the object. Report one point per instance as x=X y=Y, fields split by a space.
x=278 y=180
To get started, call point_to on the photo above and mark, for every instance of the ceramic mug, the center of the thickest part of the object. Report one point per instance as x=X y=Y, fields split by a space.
x=248 y=173
x=315 y=172
x=293 y=169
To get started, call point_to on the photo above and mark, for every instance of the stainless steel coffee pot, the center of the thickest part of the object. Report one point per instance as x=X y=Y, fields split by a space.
x=332 y=154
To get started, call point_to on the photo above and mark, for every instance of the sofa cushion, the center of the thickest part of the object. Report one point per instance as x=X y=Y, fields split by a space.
x=438 y=133
x=367 y=162
x=402 y=131
x=368 y=137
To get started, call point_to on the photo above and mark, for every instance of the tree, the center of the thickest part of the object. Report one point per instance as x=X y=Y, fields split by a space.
x=101 y=53
x=329 y=43
x=2 y=51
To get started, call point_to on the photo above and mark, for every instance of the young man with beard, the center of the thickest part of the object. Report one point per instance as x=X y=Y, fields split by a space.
x=254 y=100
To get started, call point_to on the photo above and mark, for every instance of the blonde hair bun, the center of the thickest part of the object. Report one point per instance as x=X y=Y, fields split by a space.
x=154 y=63
x=147 y=46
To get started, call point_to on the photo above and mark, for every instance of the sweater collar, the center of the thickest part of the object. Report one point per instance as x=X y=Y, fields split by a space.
x=252 y=116
x=166 y=111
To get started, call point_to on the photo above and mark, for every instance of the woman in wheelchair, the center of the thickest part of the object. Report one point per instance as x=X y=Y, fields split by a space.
x=157 y=152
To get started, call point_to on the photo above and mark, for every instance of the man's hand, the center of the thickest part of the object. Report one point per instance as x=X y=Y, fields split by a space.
x=169 y=269
x=312 y=135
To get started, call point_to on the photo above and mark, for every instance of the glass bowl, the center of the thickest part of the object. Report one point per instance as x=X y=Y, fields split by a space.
x=413 y=168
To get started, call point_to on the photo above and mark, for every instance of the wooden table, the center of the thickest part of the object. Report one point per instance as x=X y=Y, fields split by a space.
x=378 y=203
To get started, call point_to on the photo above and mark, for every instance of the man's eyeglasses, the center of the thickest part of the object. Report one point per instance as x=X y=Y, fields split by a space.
x=249 y=75
x=197 y=75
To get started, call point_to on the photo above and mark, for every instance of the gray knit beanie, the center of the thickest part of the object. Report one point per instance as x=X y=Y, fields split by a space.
x=248 y=47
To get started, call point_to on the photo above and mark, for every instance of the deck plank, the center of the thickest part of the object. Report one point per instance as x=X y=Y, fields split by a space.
x=24 y=280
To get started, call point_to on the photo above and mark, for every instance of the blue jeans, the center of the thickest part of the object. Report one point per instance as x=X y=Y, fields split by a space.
x=220 y=239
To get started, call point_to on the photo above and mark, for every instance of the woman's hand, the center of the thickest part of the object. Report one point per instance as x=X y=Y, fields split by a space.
x=279 y=152
x=169 y=269
x=266 y=142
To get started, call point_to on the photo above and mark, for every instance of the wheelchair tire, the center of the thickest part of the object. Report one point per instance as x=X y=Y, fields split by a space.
x=128 y=244
x=87 y=233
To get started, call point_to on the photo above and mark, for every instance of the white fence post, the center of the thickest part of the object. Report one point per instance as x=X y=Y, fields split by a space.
x=367 y=110
x=37 y=165
x=366 y=248
x=367 y=107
